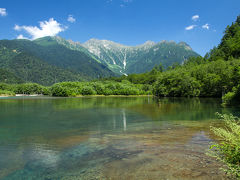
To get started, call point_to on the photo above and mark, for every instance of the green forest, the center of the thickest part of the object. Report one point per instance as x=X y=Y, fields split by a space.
x=45 y=64
x=216 y=74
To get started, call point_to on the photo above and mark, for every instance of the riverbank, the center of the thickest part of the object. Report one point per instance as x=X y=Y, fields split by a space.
x=39 y=95
x=74 y=89
x=114 y=96
x=29 y=95
x=4 y=95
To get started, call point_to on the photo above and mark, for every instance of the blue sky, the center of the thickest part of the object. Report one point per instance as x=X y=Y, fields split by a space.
x=200 y=23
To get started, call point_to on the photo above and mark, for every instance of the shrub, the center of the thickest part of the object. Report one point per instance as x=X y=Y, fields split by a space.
x=88 y=90
x=99 y=88
x=29 y=88
x=5 y=92
x=108 y=92
x=59 y=91
x=232 y=98
x=228 y=98
x=5 y=86
x=228 y=149
x=46 y=91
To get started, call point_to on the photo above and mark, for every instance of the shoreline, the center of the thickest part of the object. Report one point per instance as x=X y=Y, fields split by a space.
x=20 y=95
x=111 y=96
x=33 y=95
x=1 y=96
x=39 y=95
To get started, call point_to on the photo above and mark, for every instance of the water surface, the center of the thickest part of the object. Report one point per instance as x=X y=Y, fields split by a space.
x=107 y=138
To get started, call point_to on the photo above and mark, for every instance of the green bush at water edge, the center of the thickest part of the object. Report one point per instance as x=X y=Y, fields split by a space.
x=228 y=149
x=6 y=93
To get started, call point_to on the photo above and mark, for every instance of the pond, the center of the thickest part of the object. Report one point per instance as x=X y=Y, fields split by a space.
x=108 y=138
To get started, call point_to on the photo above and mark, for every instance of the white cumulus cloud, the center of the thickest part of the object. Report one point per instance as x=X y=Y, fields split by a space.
x=195 y=17
x=21 y=37
x=71 y=19
x=17 y=27
x=190 y=27
x=47 y=28
x=206 y=26
x=3 y=12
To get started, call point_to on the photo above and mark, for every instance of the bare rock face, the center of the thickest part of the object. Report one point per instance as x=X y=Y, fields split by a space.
x=123 y=59
x=141 y=58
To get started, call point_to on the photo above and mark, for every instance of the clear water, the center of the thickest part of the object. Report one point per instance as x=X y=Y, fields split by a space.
x=107 y=138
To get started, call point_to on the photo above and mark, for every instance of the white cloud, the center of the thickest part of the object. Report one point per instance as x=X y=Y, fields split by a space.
x=190 y=27
x=195 y=17
x=206 y=26
x=47 y=28
x=21 y=37
x=71 y=19
x=3 y=12
x=17 y=27
x=125 y=3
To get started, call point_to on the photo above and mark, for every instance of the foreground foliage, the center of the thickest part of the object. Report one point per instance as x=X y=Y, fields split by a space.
x=228 y=149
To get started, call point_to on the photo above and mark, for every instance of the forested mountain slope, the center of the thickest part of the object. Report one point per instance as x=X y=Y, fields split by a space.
x=47 y=64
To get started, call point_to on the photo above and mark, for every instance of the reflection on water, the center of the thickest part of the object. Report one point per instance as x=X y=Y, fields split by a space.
x=107 y=138
x=124 y=120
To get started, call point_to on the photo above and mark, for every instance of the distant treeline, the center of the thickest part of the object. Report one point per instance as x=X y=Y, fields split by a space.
x=72 y=89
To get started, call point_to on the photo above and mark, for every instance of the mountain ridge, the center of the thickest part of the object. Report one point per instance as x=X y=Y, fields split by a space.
x=120 y=58
x=47 y=62
x=93 y=59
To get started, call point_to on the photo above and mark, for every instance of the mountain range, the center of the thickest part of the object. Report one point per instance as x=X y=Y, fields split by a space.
x=139 y=59
x=54 y=59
